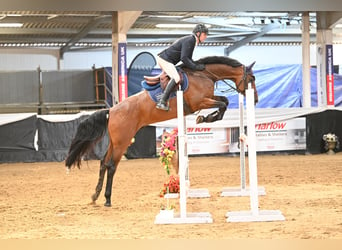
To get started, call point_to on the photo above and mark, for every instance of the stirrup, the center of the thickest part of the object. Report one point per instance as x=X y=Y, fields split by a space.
x=162 y=106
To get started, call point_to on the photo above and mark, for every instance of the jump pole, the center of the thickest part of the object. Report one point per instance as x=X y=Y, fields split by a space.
x=254 y=214
x=183 y=217
x=243 y=190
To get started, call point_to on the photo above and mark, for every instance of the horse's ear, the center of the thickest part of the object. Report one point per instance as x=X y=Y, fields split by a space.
x=251 y=66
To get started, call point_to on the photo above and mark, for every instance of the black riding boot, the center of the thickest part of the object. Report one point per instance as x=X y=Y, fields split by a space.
x=163 y=102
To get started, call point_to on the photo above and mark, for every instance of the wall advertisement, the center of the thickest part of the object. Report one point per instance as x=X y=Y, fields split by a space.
x=286 y=135
x=278 y=136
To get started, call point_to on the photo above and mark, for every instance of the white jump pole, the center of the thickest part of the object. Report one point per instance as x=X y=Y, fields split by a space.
x=242 y=145
x=243 y=190
x=182 y=155
x=183 y=217
x=254 y=214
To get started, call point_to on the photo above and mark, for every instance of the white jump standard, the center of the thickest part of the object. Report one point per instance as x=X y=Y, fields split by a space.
x=254 y=214
x=243 y=190
x=183 y=217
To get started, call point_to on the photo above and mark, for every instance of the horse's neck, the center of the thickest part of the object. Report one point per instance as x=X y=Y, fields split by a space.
x=222 y=71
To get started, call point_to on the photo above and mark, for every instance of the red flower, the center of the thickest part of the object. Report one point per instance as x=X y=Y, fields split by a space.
x=170 y=186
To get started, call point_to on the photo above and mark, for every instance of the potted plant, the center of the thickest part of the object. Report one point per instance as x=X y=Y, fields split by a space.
x=170 y=190
x=167 y=211
x=331 y=143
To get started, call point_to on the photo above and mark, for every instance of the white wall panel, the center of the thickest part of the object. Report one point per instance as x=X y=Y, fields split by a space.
x=86 y=60
x=23 y=61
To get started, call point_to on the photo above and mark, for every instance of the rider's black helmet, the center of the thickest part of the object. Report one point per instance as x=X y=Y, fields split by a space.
x=201 y=28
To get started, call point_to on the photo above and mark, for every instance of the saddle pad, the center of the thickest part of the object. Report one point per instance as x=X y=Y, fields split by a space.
x=155 y=91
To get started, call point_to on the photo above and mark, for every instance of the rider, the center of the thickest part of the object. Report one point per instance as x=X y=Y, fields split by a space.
x=181 y=50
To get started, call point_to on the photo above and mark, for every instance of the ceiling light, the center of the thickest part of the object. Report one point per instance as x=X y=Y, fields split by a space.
x=206 y=17
x=239 y=21
x=14 y=15
x=11 y=25
x=263 y=14
x=51 y=17
x=164 y=16
x=175 y=25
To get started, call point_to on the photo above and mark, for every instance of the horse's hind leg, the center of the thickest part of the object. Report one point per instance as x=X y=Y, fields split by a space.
x=107 y=164
x=99 y=185
x=218 y=101
x=111 y=169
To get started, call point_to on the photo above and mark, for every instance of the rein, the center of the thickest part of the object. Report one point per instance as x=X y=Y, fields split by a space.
x=243 y=80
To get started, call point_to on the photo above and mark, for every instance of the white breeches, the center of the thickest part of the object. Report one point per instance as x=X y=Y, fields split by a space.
x=169 y=68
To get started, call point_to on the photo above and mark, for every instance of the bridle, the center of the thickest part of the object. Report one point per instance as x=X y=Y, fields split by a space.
x=243 y=81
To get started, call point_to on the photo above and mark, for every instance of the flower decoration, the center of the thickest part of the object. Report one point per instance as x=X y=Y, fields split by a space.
x=170 y=186
x=168 y=149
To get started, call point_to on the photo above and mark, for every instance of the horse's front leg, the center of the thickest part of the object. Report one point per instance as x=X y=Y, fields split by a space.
x=218 y=101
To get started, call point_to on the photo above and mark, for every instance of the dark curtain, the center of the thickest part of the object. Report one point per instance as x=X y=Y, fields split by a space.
x=329 y=121
x=144 y=145
x=17 y=140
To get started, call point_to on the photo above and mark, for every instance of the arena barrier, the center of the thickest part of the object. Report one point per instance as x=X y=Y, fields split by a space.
x=183 y=217
x=243 y=190
x=254 y=214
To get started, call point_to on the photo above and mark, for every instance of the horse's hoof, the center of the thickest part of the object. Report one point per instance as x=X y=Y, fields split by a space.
x=107 y=204
x=92 y=203
x=199 y=119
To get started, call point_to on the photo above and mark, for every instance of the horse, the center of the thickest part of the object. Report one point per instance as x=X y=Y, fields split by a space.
x=123 y=120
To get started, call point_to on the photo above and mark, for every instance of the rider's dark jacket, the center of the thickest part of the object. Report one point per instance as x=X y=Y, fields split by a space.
x=181 y=50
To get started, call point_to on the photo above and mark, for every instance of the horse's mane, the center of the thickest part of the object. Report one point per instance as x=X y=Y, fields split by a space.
x=219 y=60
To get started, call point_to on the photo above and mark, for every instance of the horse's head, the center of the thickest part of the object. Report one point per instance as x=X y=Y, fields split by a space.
x=248 y=78
x=223 y=67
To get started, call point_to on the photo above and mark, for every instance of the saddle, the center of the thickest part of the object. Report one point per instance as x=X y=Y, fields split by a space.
x=163 y=79
x=155 y=85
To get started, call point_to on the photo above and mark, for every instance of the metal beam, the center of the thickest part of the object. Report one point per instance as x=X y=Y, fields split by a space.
x=335 y=18
x=250 y=38
x=93 y=23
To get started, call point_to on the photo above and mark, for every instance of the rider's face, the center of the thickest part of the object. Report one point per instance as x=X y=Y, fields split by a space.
x=202 y=37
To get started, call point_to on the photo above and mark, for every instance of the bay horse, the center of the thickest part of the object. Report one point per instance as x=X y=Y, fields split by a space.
x=125 y=118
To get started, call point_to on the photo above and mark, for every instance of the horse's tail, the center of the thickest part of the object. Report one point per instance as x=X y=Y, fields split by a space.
x=88 y=133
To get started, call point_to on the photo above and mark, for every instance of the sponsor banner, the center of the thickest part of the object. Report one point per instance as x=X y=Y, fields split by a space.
x=272 y=136
x=200 y=140
x=207 y=140
x=321 y=90
x=122 y=71
x=330 y=74
x=278 y=136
